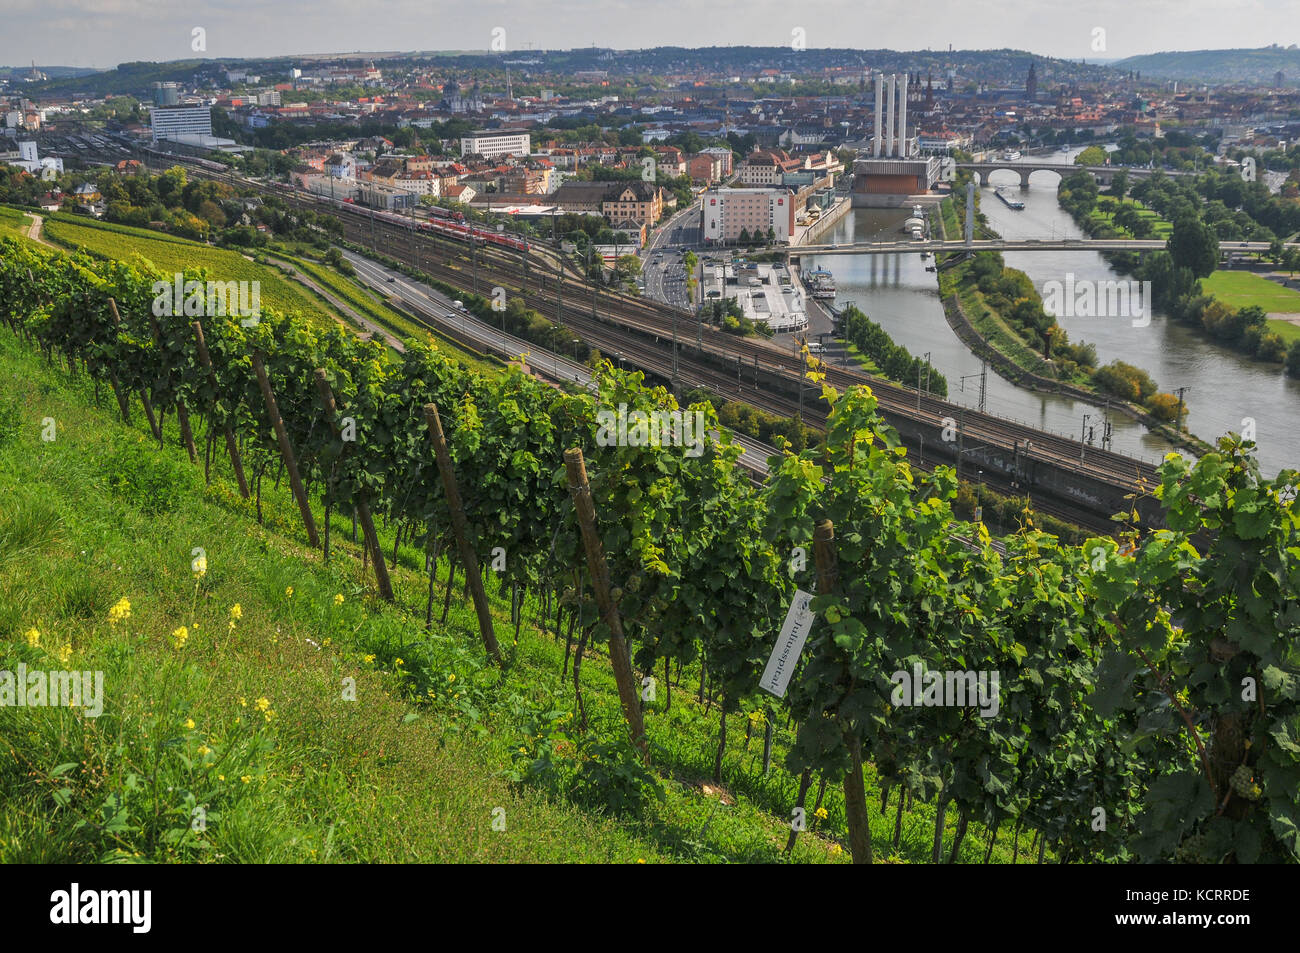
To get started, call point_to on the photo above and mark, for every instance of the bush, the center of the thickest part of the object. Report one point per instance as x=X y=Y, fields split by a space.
x=1164 y=407
x=1271 y=348
x=1293 y=361
x=1125 y=381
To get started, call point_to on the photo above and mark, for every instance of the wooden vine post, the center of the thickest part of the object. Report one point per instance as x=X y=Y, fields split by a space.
x=286 y=451
x=182 y=413
x=855 y=793
x=598 y=568
x=144 y=393
x=361 y=504
x=459 y=525
x=236 y=461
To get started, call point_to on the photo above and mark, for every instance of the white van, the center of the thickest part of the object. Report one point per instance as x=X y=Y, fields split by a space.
x=459 y=305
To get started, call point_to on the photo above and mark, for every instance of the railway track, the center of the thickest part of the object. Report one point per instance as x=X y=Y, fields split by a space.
x=641 y=332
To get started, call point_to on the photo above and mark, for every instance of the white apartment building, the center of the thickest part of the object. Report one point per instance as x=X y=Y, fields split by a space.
x=496 y=143
x=421 y=183
x=728 y=212
x=171 y=122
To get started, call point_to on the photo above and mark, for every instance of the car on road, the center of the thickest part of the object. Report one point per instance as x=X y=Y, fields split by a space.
x=391 y=280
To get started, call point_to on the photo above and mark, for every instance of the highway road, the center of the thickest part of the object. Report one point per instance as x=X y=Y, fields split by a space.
x=661 y=263
x=437 y=309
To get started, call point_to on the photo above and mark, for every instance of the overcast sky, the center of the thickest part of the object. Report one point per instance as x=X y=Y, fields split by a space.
x=104 y=33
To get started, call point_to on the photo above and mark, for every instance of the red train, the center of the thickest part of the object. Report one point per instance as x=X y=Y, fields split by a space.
x=449 y=224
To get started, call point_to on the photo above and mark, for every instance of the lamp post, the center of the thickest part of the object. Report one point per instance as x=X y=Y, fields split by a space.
x=1082 y=434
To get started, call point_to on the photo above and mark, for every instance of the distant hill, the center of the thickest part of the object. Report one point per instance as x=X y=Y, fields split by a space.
x=1220 y=66
x=1005 y=67
x=53 y=72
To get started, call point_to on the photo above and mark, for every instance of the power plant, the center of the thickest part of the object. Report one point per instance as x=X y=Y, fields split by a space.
x=894 y=172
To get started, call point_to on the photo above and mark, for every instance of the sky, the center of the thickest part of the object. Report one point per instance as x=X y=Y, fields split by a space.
x=103 y=33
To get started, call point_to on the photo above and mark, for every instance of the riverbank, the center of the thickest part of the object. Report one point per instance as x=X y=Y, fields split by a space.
x=965 y=329
x=994 y=337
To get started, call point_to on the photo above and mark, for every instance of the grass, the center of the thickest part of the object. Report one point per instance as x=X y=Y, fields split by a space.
x=412 y=770
x=1241 y=289
x=13 y=223
x=171 y=254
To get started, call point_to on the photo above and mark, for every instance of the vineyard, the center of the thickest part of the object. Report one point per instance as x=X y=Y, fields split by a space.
x=1144 y=701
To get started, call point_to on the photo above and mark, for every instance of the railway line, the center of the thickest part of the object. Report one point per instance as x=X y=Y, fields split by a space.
x=757 y=372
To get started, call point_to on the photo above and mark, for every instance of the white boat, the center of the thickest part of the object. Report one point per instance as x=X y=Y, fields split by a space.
x=1011 y=155
x=821 y=283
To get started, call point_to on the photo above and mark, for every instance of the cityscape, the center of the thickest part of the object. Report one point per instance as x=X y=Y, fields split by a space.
x=657 y=454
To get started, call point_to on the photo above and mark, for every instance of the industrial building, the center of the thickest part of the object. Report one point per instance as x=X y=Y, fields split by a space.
x=895 y=170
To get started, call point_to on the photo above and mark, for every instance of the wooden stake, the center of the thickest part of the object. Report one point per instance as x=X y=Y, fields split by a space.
x=362 y=506
x=855 y=794
x=459 y=526
x=182 y=415
x=599 y=569
x=286 y=451
x=232 y=447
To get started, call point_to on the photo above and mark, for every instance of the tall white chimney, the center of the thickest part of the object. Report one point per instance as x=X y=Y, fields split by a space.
x=889 y=120
x=902 y=117
x=880 y=108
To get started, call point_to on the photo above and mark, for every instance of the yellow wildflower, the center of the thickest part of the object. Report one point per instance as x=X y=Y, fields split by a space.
x=204 y=751
x=368 y=659
x=120 y=612
x=65 y=654
x=180 y=637
x=33 y=638
x=338 y=599
x=451 y=677
x=397 y=662
x=189 y=724
x=246 y=778
x=221 y=777
x=820 y=813
x=836 y=850
x=242 y=702
x=262 y=704
x=289 y=592
x=236 y=612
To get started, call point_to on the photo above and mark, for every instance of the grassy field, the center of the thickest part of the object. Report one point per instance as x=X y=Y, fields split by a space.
x=13 y=223
x=1241 y=289
x=172 y=254
x=244 y=714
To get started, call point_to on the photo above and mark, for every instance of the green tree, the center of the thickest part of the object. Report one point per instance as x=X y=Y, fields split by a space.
x=1194 y=246
x=1093 y=155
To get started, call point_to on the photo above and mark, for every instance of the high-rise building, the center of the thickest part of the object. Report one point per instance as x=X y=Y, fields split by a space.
x=495 y=142
x=172 y=122
x=166 y=94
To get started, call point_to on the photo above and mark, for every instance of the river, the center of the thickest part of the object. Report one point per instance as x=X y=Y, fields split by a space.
x=1223 y=388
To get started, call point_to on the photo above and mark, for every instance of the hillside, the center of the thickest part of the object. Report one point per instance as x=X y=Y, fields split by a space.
x=1257 y=66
